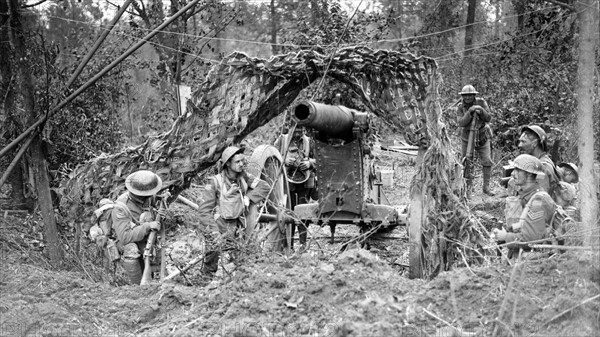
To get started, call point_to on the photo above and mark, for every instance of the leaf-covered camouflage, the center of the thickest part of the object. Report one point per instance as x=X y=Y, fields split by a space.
x=242 y=93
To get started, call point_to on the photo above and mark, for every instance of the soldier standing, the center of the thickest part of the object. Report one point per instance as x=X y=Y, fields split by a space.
x=474 y=116
x=224 y=208
x=300 y=169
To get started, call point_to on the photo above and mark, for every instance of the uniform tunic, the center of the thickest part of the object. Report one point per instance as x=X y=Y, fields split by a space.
x=482 y=146
x=538 y=208
x=125 y=219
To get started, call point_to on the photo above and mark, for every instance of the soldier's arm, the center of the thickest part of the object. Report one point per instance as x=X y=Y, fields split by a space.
x=209 y=196
x=464 y=118
x=124 y=227
x=258 y=189
x=534 y=223
x=484 y=115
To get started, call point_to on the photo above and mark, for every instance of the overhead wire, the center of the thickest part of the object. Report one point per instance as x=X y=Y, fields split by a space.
x=441 y=58
x=305 y=46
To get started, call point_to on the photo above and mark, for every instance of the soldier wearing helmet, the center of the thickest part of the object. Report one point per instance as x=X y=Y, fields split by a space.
x=224 y=208
x=538 y=206
x=534 y=141
x=132 y=220
x=470 y=107
x=568 y=188
x=300 y=164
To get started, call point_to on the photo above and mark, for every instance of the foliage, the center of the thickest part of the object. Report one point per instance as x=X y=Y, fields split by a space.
x=526 y=78
x=327 y=26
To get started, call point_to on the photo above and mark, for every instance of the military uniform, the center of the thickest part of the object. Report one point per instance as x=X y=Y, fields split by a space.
x=538 y=208
x=550 y=180
x=132 y=220
x=131 y=234
x=482 y=138
x=223 y=216
x=300 y=148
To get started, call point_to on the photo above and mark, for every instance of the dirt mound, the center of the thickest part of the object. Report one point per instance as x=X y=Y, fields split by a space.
x=354 y=293
x=321 y=292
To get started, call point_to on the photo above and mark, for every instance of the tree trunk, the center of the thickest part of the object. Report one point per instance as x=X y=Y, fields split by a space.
x=274 y=48
x=399 y=25
x=470 y=29
x=315 y=14
x=588 y=37
x=42 y=185
x=12 y=195
x=497 y=23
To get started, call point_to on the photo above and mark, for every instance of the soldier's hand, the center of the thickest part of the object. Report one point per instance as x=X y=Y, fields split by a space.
x=235 y=188
x=162 y=212
x=101 y=241
x=304 y=165
x=153 y=225
x=499 y=234
x=289 y=161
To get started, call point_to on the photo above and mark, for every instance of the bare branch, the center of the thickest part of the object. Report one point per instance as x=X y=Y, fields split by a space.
x=562 y=4
x=34 y=4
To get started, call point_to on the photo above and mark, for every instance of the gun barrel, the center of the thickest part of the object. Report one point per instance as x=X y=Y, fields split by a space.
x=334 y=120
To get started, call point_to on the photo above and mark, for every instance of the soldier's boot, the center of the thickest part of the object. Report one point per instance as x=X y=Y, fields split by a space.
x=487 y=174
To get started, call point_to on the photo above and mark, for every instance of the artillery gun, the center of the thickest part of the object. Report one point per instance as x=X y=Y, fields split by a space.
x=349 y=186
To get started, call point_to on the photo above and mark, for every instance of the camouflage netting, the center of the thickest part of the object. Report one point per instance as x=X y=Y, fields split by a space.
x=448 y=230
x=243 y=93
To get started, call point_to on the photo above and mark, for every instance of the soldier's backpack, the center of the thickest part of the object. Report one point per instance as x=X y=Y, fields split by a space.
x=102 y=232
x=563 y=228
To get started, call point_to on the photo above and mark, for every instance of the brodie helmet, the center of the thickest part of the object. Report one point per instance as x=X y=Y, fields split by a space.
x=528 y=163
x=541 y=134
x=229 y=152
x=571 y=166
x=143 y=183
x=468 y=90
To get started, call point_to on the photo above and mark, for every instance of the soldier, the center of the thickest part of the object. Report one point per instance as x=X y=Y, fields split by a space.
x=533 y=141
x=223 y=212
x=132 y=220
x=480 y=134
x=568 y=187
x=538 y=206
x=300 y=168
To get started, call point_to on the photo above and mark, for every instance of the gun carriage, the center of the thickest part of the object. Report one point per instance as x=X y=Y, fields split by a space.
x=349 y=186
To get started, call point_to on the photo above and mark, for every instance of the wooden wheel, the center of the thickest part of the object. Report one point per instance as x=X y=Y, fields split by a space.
x=266 y=162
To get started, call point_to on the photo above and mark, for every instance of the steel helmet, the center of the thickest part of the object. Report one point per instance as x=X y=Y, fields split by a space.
x=229 y=152
x=528 y=163
x=572 y=166
x=540 y=133
x=468 y=90
x=143 y=183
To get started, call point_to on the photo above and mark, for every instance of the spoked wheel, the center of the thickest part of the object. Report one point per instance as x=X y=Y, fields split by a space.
x=266 y=162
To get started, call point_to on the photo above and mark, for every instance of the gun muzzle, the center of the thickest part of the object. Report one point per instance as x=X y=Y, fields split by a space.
x=334 y=120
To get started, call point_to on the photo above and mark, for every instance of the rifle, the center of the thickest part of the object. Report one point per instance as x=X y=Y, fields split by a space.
x=473 y=136
x=147 y=275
